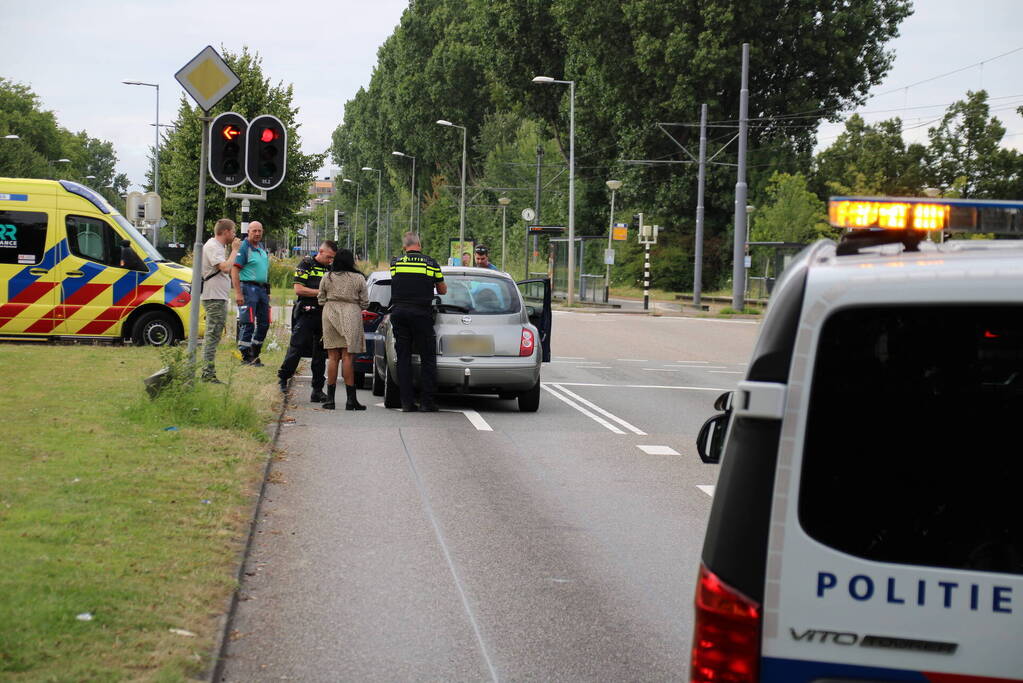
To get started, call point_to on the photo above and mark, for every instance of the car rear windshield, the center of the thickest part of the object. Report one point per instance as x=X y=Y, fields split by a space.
x=912 y=445
x=481 y=294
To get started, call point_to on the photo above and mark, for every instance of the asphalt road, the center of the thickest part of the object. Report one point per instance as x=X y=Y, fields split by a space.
x=483 y=543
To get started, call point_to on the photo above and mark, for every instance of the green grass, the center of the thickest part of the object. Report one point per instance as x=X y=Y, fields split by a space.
x=105 y=511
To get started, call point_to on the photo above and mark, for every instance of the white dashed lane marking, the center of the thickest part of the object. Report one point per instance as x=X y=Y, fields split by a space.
x=658 y=450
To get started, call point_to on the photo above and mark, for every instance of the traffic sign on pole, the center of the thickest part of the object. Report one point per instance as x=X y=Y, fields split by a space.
x=207 y=78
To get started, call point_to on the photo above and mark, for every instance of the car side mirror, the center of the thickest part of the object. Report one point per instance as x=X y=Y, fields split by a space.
x=374 y=307
x=710 y=443
x=530 y=311
x=724 y=402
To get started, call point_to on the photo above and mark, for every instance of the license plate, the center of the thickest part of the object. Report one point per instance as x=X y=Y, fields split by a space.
x=469 y=345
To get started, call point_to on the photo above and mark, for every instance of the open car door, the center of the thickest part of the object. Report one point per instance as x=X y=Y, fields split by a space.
x=537 y=296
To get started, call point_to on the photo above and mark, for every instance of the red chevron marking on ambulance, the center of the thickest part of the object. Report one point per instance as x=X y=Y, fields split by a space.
x=23 y=300
x=71 y=305
x=105 y=320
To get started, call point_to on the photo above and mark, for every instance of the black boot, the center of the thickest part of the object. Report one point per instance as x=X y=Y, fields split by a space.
x=353 y=403
x=317 y=396
x=283 y=383
x=329 y=403
x=246 y=352
x=254 y=361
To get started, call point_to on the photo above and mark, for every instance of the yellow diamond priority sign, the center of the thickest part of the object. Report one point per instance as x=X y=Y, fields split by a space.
x=207 y=78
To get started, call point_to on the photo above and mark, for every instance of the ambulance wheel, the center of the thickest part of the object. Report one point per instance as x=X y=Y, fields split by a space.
x=155 y=328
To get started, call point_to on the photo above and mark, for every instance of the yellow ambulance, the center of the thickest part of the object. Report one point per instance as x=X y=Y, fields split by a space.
x=72 y=267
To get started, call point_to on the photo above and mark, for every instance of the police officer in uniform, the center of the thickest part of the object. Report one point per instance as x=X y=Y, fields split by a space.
x=307 y=326
x=413 y=279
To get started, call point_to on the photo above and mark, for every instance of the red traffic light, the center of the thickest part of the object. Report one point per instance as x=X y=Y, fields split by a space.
x=268 y=135
x=230 y=132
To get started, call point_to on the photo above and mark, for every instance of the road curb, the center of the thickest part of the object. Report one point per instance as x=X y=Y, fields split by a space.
x=220 y=647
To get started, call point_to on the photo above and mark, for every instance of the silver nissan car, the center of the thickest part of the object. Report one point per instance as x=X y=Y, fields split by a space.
x=492 y=335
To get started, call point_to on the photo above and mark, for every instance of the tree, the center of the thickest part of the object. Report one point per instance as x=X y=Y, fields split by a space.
x=869 y=160
x=179 y=155
x=791 y=213
x=965 y=151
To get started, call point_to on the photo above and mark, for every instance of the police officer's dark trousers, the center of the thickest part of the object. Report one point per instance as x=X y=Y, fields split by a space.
x=306 y=340
x=413 y=332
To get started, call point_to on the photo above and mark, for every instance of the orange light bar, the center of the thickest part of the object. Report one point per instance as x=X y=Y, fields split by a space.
x=864 y=214
x=930 y=216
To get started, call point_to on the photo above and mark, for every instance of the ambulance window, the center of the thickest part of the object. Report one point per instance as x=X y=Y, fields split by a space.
x=909 y=454
x=22 y=237
x=93 y=239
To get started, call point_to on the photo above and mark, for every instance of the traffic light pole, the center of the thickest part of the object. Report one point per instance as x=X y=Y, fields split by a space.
x=200 y=218
x=245 y=205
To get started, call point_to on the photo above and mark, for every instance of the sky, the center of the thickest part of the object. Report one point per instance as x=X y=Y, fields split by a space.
x=75 y=55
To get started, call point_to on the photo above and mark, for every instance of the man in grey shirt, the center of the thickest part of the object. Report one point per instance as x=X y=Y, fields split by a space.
x=216 y=289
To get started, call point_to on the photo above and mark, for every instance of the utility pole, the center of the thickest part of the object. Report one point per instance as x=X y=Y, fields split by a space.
x=700 y=185
x=387 y=233
x=536 y=206
x=739 y=246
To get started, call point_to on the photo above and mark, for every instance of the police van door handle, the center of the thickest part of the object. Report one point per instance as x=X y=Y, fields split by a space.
x=764 y=400
x=75 y=273
x=38 y=271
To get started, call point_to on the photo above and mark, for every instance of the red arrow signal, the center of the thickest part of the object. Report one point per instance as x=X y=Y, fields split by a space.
x=230 y=132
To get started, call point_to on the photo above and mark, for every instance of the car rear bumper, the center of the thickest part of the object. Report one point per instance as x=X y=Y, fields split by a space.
x=487 y=375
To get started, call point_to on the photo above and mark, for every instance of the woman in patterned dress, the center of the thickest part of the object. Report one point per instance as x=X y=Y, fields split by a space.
x=343 y=297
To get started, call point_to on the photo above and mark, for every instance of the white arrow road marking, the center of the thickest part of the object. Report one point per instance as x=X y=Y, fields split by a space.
x=706 y=488
x=597 y=408
x=658 y=450
x=596 y=418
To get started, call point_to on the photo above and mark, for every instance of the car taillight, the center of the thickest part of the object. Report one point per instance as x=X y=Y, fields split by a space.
x=369 y=316
x=526 y=343
x=726 y=637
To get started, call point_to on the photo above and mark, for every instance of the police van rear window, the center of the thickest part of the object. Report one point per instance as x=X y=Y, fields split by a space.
x=912 y=451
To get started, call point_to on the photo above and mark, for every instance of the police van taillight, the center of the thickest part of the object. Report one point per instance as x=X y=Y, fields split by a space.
x=726 y=637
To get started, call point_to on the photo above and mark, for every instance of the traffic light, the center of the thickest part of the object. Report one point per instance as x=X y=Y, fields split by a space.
x=266 y=154
x=227 y=149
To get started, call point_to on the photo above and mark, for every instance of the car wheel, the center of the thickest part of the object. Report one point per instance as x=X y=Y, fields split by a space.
x=392 y=393
x=155 y=328
x=529 y=400
x=360 y=379
x=378 y=383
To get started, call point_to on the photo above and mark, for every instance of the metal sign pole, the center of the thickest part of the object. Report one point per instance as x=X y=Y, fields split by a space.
x=200 y=219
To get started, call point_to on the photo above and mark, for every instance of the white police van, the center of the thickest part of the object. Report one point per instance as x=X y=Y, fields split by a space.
x=866 y=524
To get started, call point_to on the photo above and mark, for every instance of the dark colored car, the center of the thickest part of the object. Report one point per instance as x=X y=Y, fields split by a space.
x=378 y=288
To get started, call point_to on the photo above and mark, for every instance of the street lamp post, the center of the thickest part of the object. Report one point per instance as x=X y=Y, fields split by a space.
x=504 y=202
x=612 y=185
x=352 y=230
x=156 y=157
x=571 y=179
x=376 y=251
x=412 y=198
x=461 y=205
x=59 y=161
